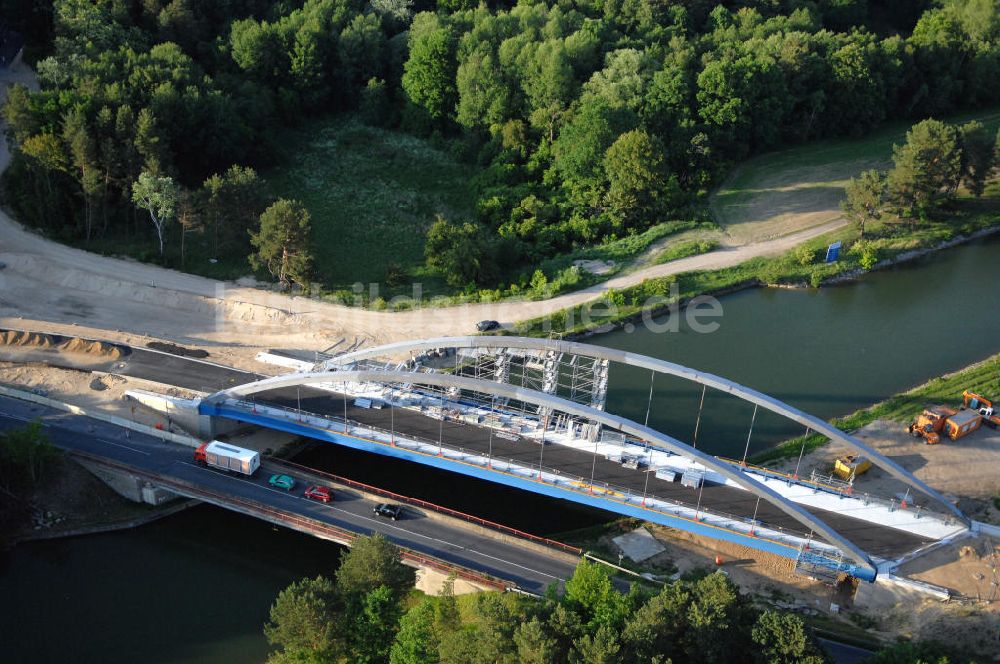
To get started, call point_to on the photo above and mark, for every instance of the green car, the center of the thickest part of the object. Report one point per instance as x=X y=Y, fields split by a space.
x=282 y=482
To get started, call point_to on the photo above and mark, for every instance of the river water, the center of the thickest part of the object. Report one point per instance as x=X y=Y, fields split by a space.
x=197 y=586
x=828 y=351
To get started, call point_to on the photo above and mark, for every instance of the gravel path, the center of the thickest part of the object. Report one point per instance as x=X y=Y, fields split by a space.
x=51 y=282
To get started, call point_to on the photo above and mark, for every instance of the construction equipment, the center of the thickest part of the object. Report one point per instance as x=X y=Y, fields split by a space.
x=850 y=466
x=936 y=422
x=982 y=405
x=930 y=423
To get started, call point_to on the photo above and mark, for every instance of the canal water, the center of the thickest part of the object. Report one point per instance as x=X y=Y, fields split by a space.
x=197 y=586
x=828 y=351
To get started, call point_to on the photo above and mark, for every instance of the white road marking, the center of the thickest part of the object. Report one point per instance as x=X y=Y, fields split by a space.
x=124 y=447
x=372 y=520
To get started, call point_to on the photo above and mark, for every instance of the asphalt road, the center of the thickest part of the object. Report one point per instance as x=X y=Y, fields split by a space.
x=843 y=653
x=209 y=377
x=530 y=569
x=876 y=540
x=159 y=366
x=185 y=372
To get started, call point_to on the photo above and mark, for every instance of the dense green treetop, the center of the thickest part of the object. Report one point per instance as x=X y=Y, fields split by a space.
x=534 y=94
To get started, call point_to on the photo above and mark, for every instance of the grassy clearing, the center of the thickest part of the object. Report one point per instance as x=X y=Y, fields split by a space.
x=785 y=191
x=803 y=266
x=373 y=194
x=982 y=377
x=618 y=253
x=685 y=249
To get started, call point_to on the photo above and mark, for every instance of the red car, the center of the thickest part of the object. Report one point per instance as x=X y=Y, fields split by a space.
x=320 y=493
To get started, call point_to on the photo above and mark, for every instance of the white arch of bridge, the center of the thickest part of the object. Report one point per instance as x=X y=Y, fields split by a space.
x=657 y=366
x=654 y=438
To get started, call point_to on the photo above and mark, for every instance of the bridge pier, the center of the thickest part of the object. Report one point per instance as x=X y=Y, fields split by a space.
x=129 y=486
x=183 y=413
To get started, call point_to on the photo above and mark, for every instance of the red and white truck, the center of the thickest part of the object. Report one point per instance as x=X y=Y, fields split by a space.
x=227 y=457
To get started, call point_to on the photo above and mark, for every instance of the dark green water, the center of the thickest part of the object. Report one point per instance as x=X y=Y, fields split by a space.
x=827 y=352
x=197 y=587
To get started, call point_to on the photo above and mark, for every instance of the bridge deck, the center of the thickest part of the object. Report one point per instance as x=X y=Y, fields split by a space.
x=876 y=540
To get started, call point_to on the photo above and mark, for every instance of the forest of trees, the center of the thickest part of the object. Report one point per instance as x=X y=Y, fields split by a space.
x=368 y=613
x=927 y=171
x=587 y=119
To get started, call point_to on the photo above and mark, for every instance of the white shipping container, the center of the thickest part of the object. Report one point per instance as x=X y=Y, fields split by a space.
x=229 y=457
x=666 y=474
x=692 y=479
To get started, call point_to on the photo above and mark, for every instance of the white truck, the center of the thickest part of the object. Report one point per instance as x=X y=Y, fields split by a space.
x=227 y=457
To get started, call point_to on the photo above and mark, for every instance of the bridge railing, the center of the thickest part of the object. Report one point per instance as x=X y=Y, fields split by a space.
x=607 y=491
x=436 y=508
x=867 y=498
x=289 y=518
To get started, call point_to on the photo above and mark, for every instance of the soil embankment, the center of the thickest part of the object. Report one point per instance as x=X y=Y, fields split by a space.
x=16 y=339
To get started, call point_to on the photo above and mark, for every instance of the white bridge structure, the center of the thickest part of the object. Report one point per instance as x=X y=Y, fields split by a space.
x=532 y=413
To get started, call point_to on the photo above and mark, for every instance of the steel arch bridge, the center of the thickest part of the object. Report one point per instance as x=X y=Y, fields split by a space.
x=564 y=385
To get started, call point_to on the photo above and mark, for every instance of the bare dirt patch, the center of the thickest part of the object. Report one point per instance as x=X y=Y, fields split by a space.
x=595 y=266
x=966 y=622
x=756 y=572
x=970 y=568
x=19 y=339
x=75 y=386
x=964 y=470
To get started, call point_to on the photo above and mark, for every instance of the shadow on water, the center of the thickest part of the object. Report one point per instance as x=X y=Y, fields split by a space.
x=194 y=587
x=198 y=586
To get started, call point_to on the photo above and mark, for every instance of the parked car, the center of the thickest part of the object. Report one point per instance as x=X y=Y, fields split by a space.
x=487 y=325
x=282 y=482
x=388 y=511
x=320 y=493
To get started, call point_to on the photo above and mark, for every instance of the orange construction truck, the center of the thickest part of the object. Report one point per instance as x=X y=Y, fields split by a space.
x=982 y=405
x=936 y=422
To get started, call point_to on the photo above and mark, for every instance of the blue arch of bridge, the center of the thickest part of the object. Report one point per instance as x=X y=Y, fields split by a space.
x=651 y=436
x=288 y=425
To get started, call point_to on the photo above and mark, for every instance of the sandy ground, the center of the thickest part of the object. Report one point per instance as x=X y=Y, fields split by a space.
x=964 y=470
x=48 y=282
x=237 y=356
x=93 y=391
x=754 y=571
x=970 y=567
x=972 y=618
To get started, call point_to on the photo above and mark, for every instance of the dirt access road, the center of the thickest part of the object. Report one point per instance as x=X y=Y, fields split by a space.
x=44 y=281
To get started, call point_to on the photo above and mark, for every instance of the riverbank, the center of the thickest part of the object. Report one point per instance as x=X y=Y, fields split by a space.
x=885 y=245
x=982 y=377
x=71 y=502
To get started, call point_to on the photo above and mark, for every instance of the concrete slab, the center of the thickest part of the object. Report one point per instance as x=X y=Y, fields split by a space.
x=638 y=545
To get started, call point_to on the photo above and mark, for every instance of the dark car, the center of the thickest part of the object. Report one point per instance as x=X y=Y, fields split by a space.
x=487 y=325
x=393 y=512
